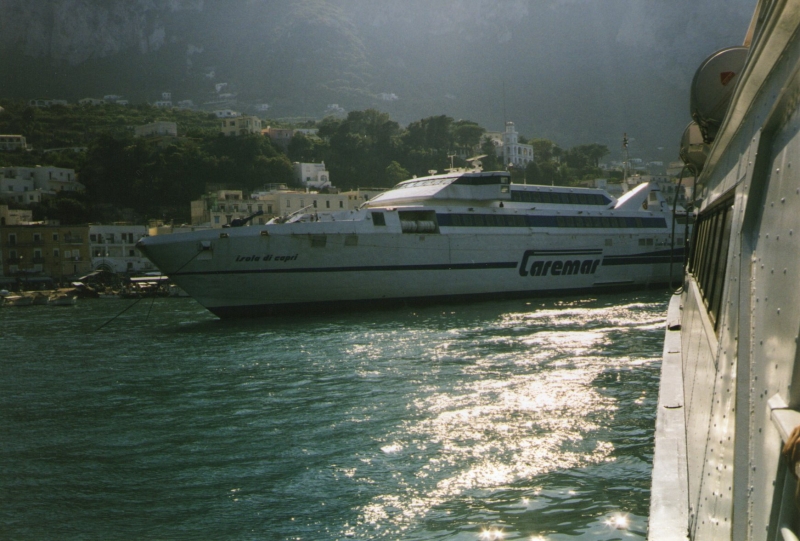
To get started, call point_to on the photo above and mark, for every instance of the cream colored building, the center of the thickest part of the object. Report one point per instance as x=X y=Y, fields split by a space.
x=222 y=207
x=14 y=216
x=240 y=125
x=39 y=251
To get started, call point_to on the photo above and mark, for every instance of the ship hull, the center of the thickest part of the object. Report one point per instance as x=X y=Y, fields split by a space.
x=249 y=273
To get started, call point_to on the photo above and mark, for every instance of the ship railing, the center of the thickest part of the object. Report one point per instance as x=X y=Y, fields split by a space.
x=785 y=420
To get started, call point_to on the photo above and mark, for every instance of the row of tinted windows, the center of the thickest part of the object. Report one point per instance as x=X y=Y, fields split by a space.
x=560 y=198
x=709 y=256
x=494 y=220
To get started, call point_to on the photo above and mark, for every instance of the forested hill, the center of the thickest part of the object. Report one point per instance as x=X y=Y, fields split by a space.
x=132 y=179
x=567 y=70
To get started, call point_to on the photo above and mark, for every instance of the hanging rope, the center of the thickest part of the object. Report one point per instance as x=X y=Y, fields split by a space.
x=140 y=298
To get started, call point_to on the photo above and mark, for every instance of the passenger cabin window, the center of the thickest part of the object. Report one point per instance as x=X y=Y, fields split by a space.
x=709 y=255
x=378 y=218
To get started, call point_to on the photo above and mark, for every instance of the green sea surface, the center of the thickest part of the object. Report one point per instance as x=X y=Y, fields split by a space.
x=517 y=420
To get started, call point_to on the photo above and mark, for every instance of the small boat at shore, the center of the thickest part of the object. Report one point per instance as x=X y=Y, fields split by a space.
x=62 y=299
x=18 y=300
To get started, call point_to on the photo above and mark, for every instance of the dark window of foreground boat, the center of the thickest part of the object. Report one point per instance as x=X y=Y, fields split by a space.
x=710 y=255
x=378 y=218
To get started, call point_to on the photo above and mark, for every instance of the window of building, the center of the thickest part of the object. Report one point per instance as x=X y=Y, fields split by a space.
x=12 y=239
x=216 y=219
x=56 y=252
x=341 y=204
x=55 y=237
x=269 y=209
x=315 y=203
x=67 y=253
x=37 y=237
x=12 y=255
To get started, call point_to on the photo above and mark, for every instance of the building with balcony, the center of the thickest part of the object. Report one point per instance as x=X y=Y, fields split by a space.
x=32 y=253
x=241 y=125
x=113 y=248
x=220 y=208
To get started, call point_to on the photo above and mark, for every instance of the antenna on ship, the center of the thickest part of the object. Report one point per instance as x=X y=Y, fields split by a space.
x=451 y=170
x=624 y=160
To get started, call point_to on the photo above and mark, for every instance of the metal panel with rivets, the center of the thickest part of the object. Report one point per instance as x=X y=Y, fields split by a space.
x=740 y=311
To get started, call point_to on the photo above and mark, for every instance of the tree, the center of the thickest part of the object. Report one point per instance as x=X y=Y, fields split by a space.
x=490 y=161
x=395 y=173
x=467 y=134
x=543 y=150
x=533 y=173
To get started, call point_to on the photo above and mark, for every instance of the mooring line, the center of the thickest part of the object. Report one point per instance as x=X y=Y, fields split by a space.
x=115 y=317
x=140 y=298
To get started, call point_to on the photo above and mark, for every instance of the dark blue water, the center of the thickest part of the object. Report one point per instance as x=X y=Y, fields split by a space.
x=513 y=420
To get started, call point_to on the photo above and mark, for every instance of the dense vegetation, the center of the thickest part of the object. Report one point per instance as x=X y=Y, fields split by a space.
x=133 y=179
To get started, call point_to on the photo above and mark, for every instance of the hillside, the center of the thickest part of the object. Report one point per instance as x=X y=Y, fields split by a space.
x=568 y=70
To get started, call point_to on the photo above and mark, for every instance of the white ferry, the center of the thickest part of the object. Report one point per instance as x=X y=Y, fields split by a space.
x=730 y=380
x=461 y=235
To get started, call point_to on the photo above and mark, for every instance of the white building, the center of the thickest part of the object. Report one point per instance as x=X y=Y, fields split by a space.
x=29 y=184
x=312 y=175
x=225 y=113
x=13 y=142
x=46 y=103
x=512 y=151
x=113 y=248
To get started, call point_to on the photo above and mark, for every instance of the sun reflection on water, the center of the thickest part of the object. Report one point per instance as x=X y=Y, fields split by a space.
x=526 y=404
